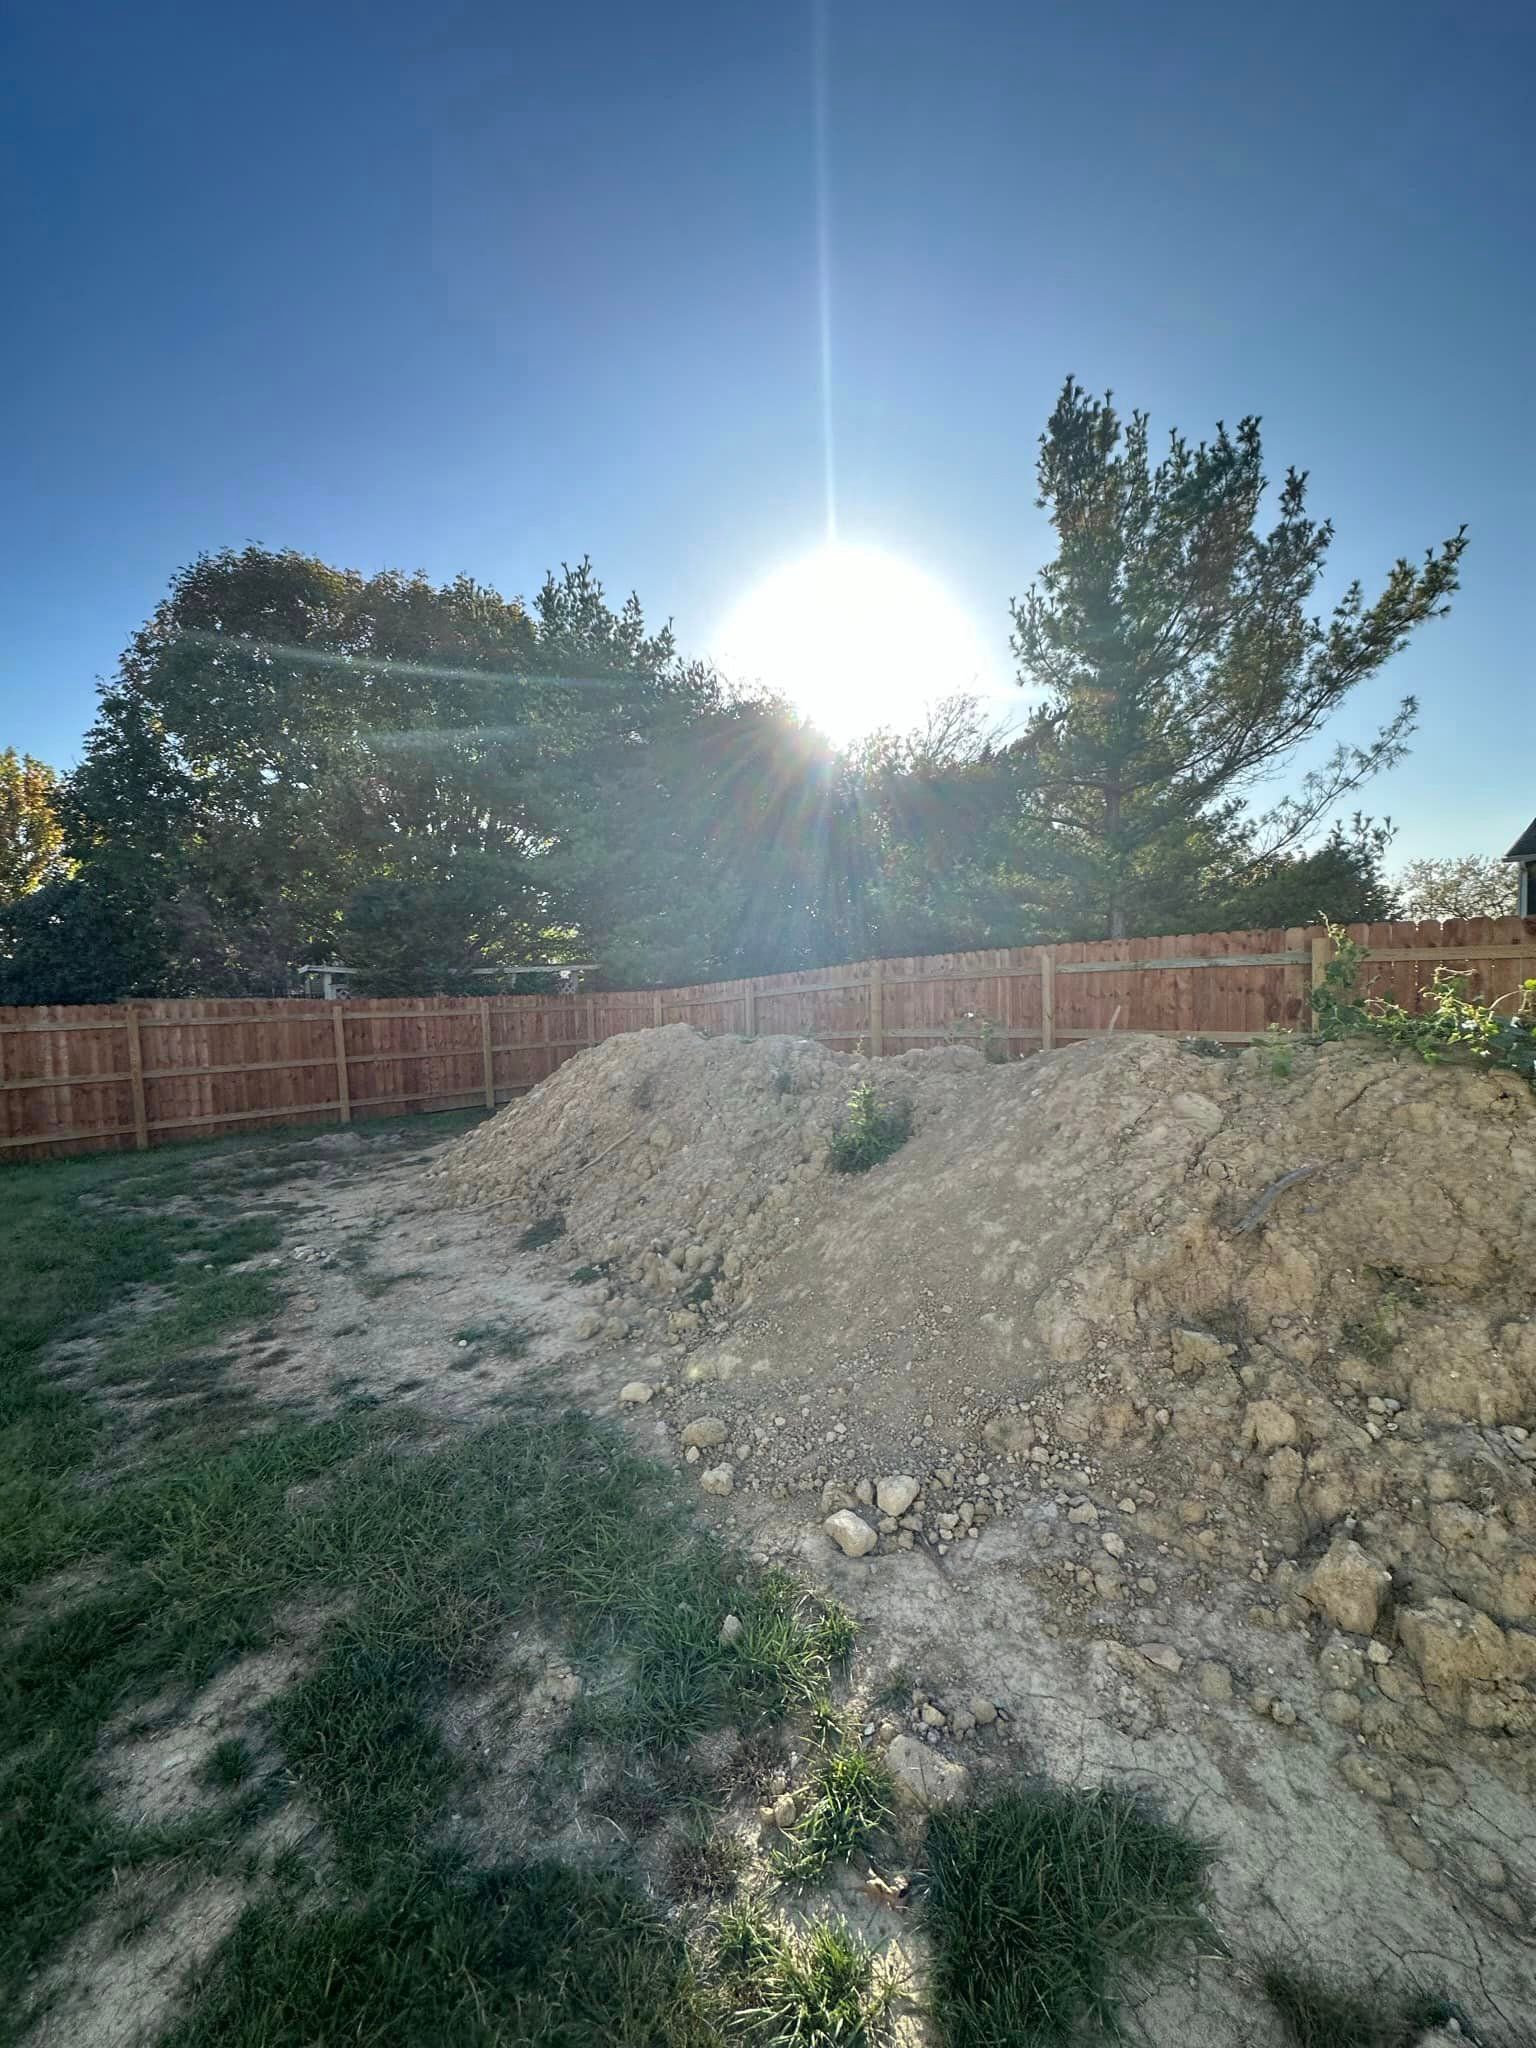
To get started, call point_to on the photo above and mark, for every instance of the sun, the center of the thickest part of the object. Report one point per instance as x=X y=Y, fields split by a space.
x=856 y=639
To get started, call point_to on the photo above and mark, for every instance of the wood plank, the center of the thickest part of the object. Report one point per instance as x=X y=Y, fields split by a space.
x=487 y=1055
x=136 y=1082
x=876 y=1009
x=343 y=1087
x=1048 y=1000
x=69 y=1137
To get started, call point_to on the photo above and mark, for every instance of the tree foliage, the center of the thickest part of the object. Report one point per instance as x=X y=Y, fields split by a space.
x=1465 y=885
x=31 y=837
x=1176 y=656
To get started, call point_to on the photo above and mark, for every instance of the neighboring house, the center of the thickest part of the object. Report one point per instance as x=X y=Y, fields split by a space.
x=1524 y=851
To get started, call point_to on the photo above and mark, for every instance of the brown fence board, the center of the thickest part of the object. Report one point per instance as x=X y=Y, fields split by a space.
x=68 y=1079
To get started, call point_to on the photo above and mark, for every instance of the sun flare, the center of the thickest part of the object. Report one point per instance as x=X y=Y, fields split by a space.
x=856 y=639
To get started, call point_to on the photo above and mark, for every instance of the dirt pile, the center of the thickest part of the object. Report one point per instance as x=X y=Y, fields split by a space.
x=1252 y=1329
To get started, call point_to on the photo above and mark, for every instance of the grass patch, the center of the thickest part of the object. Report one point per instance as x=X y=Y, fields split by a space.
x=703 y=1863
x=1318 y=2011
x=850 y=1796
x=1368 y=1337
x=536 y=1954
x=1043 y=1901
x=583 y=1276
x=871 y=1131
x=229 y=1762
x=823 y=1987
x=542 y=1233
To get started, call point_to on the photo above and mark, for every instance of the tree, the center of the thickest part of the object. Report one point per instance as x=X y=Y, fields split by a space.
x=31 y=837
x=1178 y=661
x=1465 y=885
x=1343 y=880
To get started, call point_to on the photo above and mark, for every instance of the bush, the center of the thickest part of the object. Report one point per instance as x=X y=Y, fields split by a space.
x=872 y=1131
x=1452 y=1025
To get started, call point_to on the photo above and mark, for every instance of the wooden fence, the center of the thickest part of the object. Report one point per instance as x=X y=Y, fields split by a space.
x=77 y=1079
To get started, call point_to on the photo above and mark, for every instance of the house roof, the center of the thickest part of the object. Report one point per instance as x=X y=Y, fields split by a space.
x=1524 y=847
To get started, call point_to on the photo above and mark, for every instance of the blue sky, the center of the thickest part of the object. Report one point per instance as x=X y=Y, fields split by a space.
x=489 y=287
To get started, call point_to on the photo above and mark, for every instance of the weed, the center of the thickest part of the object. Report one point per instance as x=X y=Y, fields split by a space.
x=1368 y=1337
x=703 y=1863
x=896 y=1688
x=1450 y=1024
x=542 y=1233
x=872 y=1131
x=822 y=1987
x=506 y=1340
x=783 y=1081
x=1042 y=1900
x=585 y=1275
x=850 y=1792
x=1282 y=1052
x=1322 y=2012
x=229 y=1762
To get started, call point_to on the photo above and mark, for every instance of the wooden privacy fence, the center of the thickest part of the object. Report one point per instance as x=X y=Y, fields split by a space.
x=79 y=1078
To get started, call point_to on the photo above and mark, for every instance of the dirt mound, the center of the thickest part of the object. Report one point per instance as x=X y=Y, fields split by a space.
x=1235 y=1332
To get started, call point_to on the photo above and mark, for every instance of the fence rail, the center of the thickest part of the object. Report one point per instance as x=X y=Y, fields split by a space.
x=77 y=1079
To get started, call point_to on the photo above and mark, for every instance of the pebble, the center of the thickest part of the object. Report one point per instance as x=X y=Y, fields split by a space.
x=934 y=1717
x=718 y=1479
x=635 y=1393
x=851 y=1533
x=784 y=1810
x=731 y=1628
x=984 y=1710
x=897 y=1493
x=1164 y=1656
x=705 y=1433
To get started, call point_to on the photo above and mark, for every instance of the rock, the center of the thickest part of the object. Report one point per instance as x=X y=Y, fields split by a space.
x=1164 y=1656
x=1282 y=1713
x=962 y=1721
x=704 y=1434
x=635 y=1393
x=984 y=1709
x=1348 y=1587
x=897 y=1493
x=851 y=1533
x=586 y=1326
x=1452 y=1644
x=864 y=1494
x=1342 y=1709
x=717 y=1479
x=924 y=1780
x=731 y=1628
x=934 y=1717
x=1340 y=1665
x=1114 y=1544
x=1085 y=1516
x=1266 y=1425
x=1196 y=1350
x=784 y=1814
x=835 y=1496
x=1365 y=1775
x=1213 y=1681
x=1483 y=1864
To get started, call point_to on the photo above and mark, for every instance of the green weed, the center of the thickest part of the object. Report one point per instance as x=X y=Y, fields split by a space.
x=544 y=1232
x=1042 y=1901
x=1324 y=2012
x=871 y=1132
x=822 y=1987
x=850 y=1795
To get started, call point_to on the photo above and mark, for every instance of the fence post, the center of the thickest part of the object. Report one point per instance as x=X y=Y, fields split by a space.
x=1048 y=999
x=1322 y=953
x=749 y=1005
x=343 y=1089
x=136 y=1081
x=657 y=1011
x=487 y=1057
x=591 y=1020
x=876 y=1009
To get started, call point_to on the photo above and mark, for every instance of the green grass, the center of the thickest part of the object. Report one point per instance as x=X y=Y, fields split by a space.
x=1044 y=1901
x=821 y=1987
x=544 y=1232
x=870 y=1133
x=537 y=1954
x=849 y=1795
x=1320 y=2011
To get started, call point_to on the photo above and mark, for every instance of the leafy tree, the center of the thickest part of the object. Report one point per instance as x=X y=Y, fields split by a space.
x=1342 y=880
x=31 y=837
x=1177 y=657
x=1465 y=885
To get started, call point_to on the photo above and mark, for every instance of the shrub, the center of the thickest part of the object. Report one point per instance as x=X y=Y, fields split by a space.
x=1451 y=1025
x=872 y=1131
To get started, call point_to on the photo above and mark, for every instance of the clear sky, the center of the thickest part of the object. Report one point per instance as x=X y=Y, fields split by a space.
x=485 y=287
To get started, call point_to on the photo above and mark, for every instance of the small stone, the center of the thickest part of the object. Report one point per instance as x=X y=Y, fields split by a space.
x=851 y=1533
x=1164 y=1656
x=784 y=1810
x=897 y=1493
x=934 y=1717
x=1213 y=1681
x=586 y=1326
x=962 y=1721
x=864 y=1493
x=731 y=1628
x=635 y=1393
x=718 y=1479
x=1114 y=1544
x=985 y=1710
x=1085 y=1516
x=1283 y=1714
x=692 y=1454
x=704 y=1434
x=1348 y=1587
x=888 y=1732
